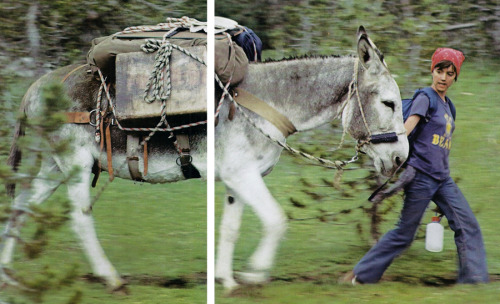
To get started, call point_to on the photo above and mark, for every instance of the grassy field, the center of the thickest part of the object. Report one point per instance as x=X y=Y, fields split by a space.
x=316 y=253
x=155 y=235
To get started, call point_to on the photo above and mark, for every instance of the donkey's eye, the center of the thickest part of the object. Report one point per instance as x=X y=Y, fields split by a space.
x=389 y=104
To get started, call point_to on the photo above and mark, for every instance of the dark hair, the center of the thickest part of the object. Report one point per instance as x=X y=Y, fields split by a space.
x=446 y=64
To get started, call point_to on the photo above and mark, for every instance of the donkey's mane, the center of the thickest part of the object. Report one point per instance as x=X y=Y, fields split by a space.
x=303 y=57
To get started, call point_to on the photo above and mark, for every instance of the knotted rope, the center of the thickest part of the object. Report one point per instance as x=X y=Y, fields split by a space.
x=162 y=65
x=159 y=85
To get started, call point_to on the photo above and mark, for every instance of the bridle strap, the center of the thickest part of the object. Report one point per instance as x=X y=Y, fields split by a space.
x=371 y=139
x=384 y=138
x=354 y=84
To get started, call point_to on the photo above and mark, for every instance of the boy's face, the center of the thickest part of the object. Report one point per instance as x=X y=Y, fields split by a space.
x=442 y=79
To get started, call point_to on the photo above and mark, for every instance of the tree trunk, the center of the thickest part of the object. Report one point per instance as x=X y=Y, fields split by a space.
x=33 y=34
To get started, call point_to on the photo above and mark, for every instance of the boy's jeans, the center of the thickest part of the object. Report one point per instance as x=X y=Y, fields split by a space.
x=418 y=193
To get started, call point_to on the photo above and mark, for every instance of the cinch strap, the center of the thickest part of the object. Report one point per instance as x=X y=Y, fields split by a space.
x=185 y=159
x=257 y=105
x=78 y=117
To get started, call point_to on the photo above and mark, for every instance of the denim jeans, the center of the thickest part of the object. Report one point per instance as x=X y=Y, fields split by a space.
x=448 y=197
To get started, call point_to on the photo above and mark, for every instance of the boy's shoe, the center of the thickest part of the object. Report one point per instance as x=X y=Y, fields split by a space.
x=350 y=278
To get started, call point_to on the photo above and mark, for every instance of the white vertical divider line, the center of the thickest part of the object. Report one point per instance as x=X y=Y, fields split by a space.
x=210 y=155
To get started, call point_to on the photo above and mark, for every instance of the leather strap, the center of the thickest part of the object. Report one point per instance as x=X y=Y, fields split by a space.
x=257 y=105
x=109 y=152
x=101 y=144
x=133 y=157
x=145 y=158
x=185 y=159
x=78 y=117
x=96 y=169
x=71 y=72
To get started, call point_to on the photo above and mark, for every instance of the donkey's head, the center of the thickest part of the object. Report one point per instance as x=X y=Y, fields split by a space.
x=374 y=111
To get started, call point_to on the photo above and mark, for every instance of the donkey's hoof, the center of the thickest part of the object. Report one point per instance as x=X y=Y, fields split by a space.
x=229 y=284
x=120 y=290
x=253 y=277
x=230 y=290
x=119 y=287
x=248 y=291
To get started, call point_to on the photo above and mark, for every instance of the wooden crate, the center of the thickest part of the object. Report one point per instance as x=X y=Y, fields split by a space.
x=188 y=79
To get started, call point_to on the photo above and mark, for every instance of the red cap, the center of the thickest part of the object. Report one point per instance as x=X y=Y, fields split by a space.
x=436 y=219
x=452 y=55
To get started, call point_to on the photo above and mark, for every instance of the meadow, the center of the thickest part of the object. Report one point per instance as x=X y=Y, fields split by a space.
x=155 y=235
x=317 y=251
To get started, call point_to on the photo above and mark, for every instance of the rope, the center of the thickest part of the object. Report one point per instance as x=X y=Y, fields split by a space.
x=338 y=164
x=162 y=65
x=155 y=85
x=157 y=78
x=160 y=75
x=184 y=22
x=98 y=113
x=355 y=83
x=156 y=82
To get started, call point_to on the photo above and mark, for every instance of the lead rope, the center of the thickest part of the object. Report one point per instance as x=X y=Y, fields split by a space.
x=336 y=164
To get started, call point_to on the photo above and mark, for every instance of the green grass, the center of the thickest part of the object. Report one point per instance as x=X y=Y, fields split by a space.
x=155 y=235
x=315 y=254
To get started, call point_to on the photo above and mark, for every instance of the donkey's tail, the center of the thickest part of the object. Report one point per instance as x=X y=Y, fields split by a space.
x=15 y=152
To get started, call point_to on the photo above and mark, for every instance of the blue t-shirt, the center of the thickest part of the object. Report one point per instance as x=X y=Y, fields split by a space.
x=432 y=138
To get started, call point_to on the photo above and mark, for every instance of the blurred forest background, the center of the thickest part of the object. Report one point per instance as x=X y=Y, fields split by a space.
x=39 y=35
x=406 y=31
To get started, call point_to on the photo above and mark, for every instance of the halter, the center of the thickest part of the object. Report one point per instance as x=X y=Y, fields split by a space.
x=372 y=138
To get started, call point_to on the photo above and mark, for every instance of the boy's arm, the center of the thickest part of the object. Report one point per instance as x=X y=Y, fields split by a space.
x=411 y=123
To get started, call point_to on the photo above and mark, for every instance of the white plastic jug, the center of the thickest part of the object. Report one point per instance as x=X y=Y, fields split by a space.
x=434 y=235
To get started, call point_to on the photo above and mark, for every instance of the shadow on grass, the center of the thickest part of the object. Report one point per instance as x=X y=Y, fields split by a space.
x=182 y=282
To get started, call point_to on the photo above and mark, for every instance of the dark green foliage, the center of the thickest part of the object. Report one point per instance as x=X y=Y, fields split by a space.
x=315 y=193
x=66 y=28
x=46 y=279
x=37 y=145
x=47 y=218
x=76 y=298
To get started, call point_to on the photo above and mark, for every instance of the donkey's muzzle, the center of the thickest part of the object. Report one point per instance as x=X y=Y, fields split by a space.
x=384 y=138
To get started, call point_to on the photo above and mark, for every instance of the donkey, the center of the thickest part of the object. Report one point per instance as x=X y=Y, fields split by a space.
x=83 y=89
x=309 y=92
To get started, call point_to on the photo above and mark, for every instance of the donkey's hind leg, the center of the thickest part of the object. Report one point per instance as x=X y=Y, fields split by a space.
x=229 y=232
x=83 y=224
x=41 y=188
x=249 y=188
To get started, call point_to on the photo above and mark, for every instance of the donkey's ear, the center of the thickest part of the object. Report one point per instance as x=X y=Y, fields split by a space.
x=367 y=51
x=361 y=31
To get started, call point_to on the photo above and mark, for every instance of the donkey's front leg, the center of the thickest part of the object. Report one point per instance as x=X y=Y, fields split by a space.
x=228 y=235
x=83 y=225
x=249 y=187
